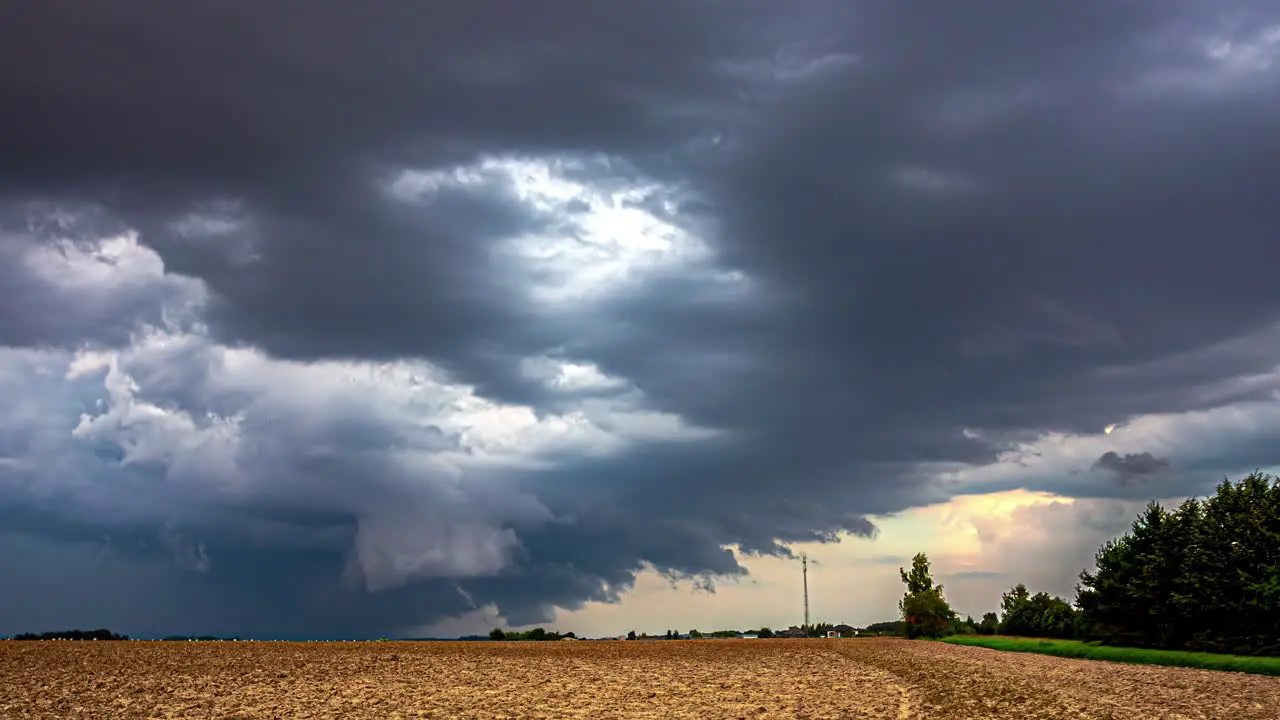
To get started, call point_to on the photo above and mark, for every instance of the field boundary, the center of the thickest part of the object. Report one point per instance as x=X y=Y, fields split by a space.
x=1253 y=665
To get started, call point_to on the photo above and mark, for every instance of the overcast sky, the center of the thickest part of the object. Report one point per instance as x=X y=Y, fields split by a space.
x=325 y=318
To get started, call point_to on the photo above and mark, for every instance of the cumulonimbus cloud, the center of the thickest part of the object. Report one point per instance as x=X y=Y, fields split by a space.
x=522 y=309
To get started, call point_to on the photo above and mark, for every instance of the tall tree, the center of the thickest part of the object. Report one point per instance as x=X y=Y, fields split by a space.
x=1017 y=596
x=919 y=579
x=924 y=609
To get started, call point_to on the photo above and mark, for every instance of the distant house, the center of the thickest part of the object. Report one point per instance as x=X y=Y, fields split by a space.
x=791 y=632
x=845 y=630
x=749 y=636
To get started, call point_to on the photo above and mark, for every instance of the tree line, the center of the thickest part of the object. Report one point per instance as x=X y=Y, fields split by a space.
x=536 y=634
x=1204 y=577
x=99 y=634
x=815 y=630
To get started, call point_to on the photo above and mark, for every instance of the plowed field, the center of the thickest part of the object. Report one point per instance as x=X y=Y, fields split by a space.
x=689 y=679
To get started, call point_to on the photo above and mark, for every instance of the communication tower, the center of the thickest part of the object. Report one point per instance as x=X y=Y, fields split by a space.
x=804 y=572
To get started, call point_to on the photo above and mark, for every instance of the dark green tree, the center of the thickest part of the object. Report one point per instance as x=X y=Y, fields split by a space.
x=924 y=609
x=1039 y=615
x=1138 y=593
x=1228 y=590
x=1017 y=596
x=990 y=624
x=919 y=579
x=1204 y=577
x=497 y=634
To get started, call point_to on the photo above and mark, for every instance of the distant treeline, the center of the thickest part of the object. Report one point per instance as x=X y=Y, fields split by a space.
x=889 y=627
x=99 y=634
x=534 y=634
x=1204 y=577
x=104 y=634
x=816 y=630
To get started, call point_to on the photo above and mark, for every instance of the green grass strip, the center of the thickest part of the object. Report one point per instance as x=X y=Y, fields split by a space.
x=1256 y=665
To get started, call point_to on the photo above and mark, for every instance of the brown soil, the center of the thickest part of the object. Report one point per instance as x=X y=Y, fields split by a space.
x=690 y=679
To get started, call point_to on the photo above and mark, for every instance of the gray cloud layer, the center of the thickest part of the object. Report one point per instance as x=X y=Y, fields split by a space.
x=914 y=239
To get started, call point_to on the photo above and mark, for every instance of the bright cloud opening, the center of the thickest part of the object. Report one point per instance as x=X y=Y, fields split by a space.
x=606 y=231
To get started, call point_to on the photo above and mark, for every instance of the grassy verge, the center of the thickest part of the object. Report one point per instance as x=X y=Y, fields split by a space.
x=1140 y=656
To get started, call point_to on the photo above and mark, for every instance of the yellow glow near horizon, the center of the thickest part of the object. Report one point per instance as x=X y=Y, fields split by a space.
x=854 y=581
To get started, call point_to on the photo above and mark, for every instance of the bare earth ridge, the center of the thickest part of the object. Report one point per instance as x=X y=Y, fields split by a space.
x=757 y=679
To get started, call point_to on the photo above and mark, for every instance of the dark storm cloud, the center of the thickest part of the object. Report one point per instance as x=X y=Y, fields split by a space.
x=293 y=108
x=247 y=93
x=986 y=216
x=1131 y=467
x=1072 y=194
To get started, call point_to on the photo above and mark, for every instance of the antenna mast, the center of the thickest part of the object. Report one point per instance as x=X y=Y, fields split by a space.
x=804 y=571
